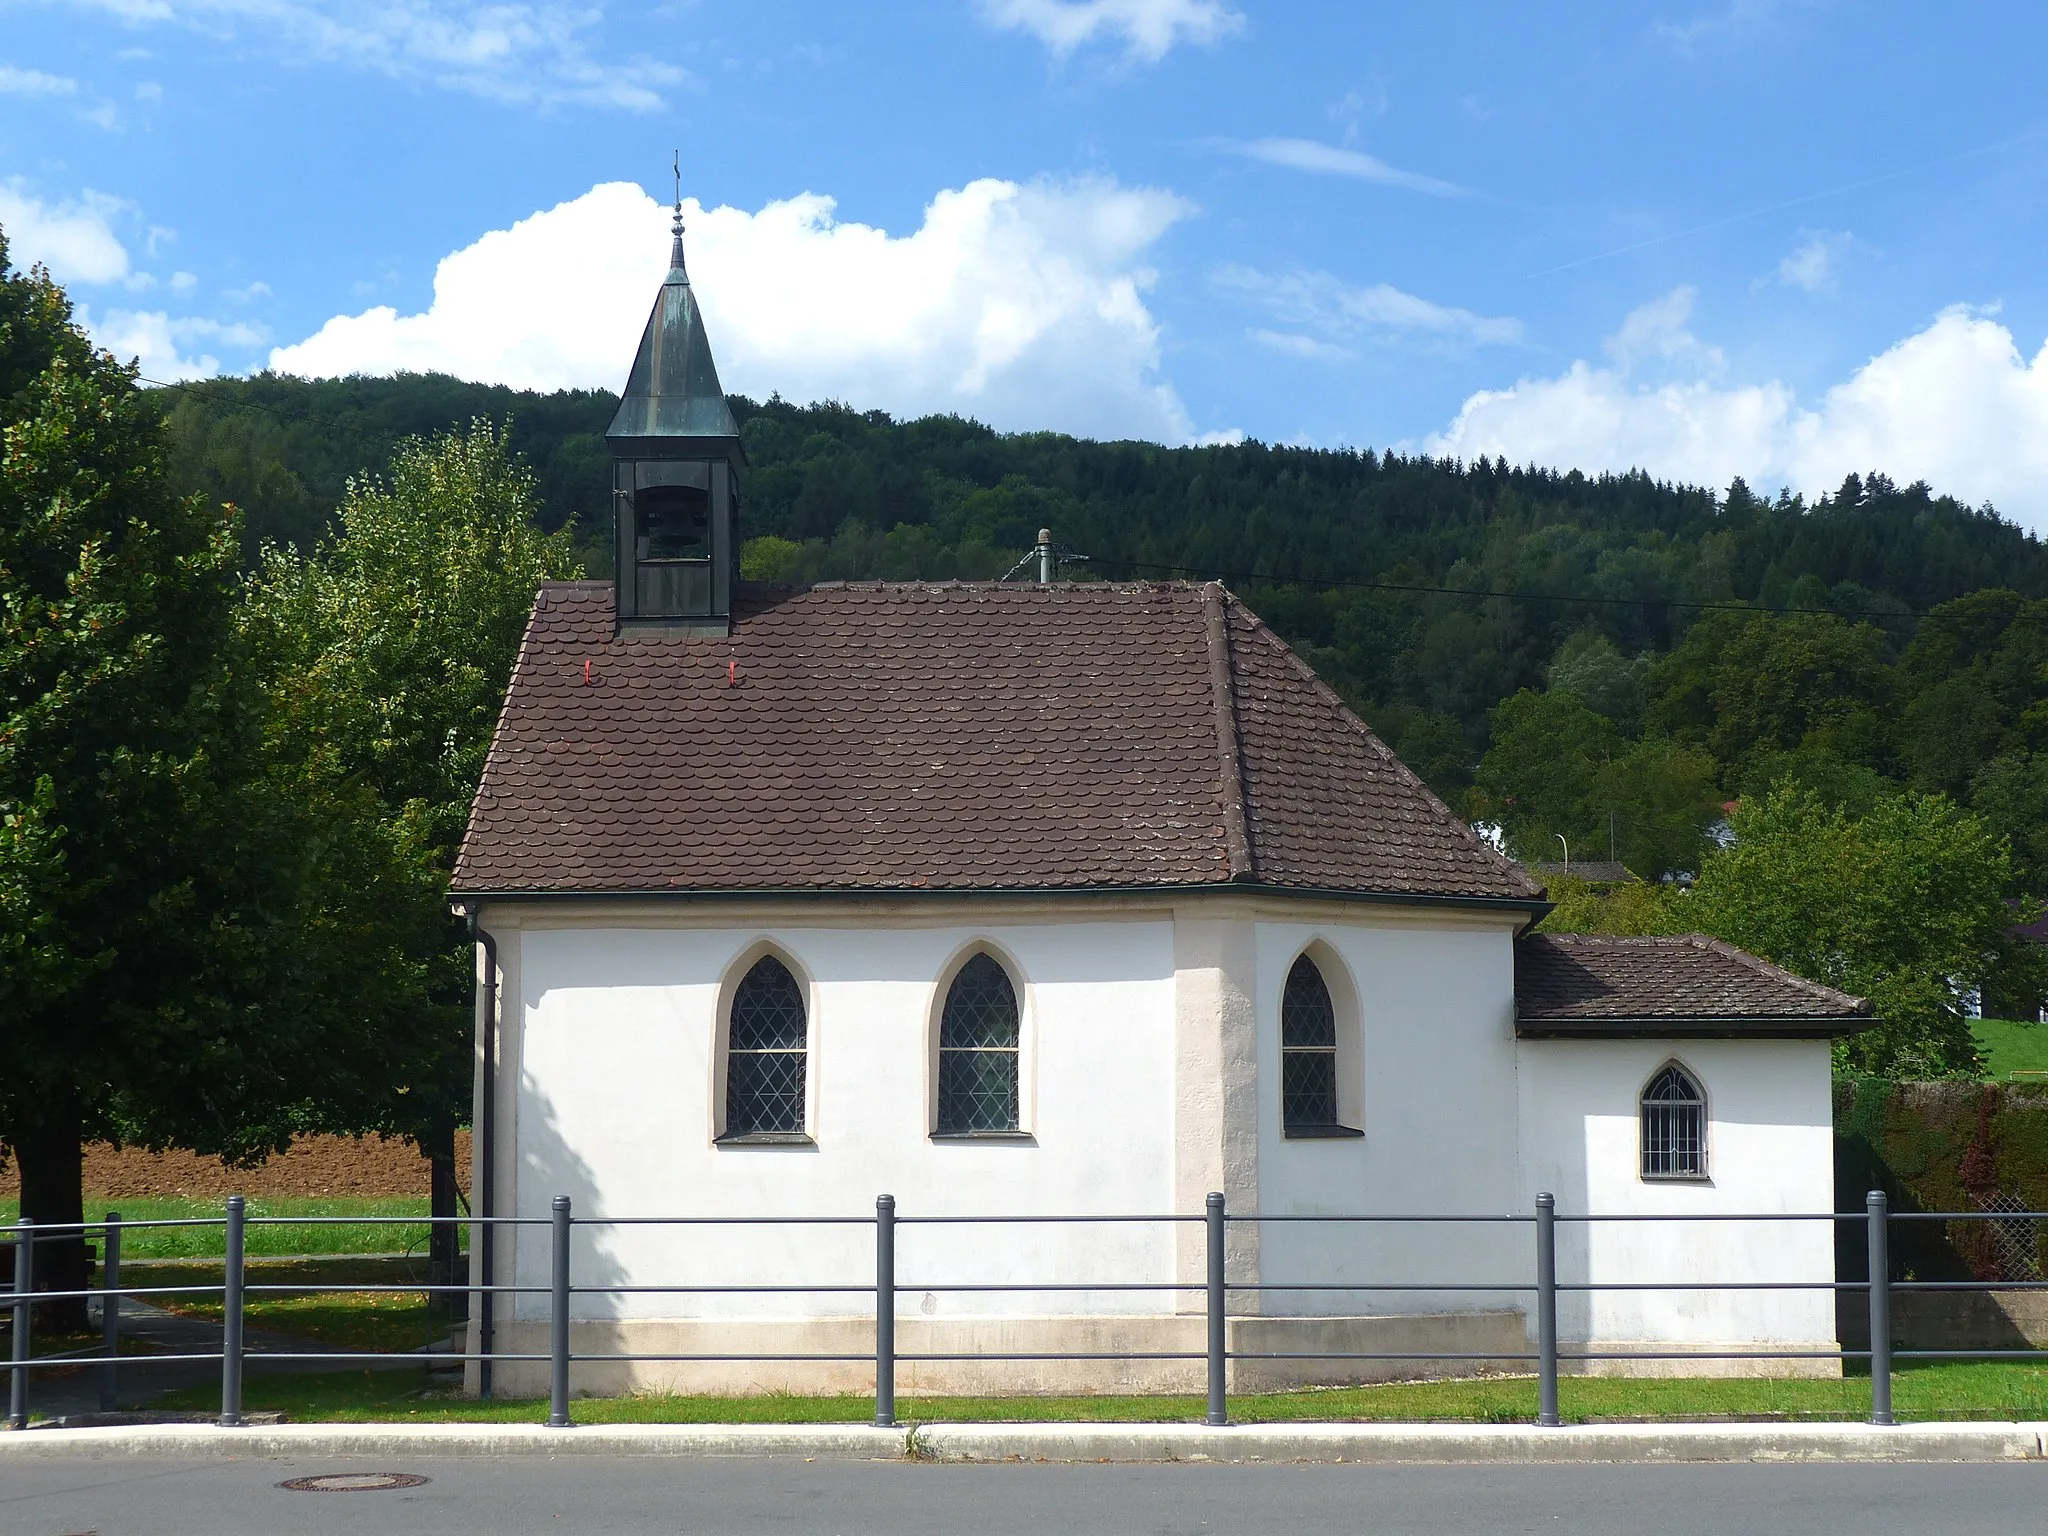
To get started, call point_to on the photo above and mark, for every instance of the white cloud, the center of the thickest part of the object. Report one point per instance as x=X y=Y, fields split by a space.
x=1149 y=28
x=1022 y=305
x=158 y=343
x=33 y=82
x=538 y=52
x=149 y=93
x=1815 y=262
x=1329 y=160
x=1339 y=312
x=1294 y=344
x=243 y=295
x=1956 y=404
x=75 y=238
x=183 y=282
x=1657 y=333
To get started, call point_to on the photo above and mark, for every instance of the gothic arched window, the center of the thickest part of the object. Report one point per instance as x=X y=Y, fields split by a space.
x=978 y=1038
x=765 y=1047
x=1674 y=1125
x=1308 y=1053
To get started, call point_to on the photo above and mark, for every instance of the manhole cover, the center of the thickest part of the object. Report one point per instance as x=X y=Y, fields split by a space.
x=352 y=1482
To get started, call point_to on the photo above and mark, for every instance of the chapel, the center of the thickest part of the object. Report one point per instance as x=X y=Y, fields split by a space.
x=1060 y=899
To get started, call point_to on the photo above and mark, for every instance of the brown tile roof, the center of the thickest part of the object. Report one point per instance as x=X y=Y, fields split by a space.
x=948 y=737
x=1580 y=985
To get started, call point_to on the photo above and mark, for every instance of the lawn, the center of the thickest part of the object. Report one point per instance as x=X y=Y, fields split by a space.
x=387 y=1322
x=1976 y=1390
x=292 y=1237
x=2014 y=1049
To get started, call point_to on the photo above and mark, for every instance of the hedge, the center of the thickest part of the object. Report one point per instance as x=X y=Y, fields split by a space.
x=1946 y=1146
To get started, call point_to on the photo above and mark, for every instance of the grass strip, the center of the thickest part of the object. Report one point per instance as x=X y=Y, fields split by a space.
x=1967 y=1390
x=382 y=1321
x=211 y=1241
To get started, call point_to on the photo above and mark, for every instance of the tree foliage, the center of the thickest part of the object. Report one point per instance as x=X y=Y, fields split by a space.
x=151 y=876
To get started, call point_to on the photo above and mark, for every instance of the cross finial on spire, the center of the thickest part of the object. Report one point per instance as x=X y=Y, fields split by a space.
x=675 y=255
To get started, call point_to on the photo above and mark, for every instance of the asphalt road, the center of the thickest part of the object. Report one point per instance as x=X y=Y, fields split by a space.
x=591 y=1494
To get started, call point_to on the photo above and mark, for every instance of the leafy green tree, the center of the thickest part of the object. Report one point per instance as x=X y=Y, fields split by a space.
x=152 y=880
x=1745 y=686
x=1904 y=906
x=387 y=651
x=1557 y=768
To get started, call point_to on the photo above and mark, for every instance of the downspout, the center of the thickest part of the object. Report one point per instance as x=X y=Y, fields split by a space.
x=487 y=1204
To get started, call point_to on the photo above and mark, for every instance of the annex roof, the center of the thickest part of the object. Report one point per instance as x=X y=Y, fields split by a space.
x=949 y=737
x=1602 y=986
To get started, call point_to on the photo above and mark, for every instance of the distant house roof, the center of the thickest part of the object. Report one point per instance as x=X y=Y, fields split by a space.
x=1598 y=986
x=949 y=737
x=1592 y=871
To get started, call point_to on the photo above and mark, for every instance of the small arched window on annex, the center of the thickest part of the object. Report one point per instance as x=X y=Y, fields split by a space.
x=977 y=1056
x=762 y=1083
x=1673 y=1116
x=1322 y=1083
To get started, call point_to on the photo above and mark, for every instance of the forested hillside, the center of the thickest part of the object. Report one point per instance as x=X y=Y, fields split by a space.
x=1562 y=654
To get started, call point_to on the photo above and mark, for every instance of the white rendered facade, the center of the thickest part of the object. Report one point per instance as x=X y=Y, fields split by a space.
x=1149 y=1075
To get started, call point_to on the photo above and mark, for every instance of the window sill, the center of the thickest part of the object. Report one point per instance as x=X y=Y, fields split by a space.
x=765 y=1139
x=1675 y=1178
x=1016 y=1136
x=1320 y=1133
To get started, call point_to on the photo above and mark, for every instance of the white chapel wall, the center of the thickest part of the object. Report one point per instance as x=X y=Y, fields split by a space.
x=1770 y=1149
x=1437 y=1105
x=617 y=1026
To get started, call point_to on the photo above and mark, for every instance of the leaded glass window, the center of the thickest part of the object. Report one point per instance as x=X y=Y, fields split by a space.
x=1674 y=1120
x=764 y=1065
x=978 y=1051
x=1308 y=1052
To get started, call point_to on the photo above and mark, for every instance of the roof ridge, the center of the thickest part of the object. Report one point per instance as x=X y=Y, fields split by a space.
x=1452 y=822
x=1778 y=972
x=1755 y=962
x=1237 y=840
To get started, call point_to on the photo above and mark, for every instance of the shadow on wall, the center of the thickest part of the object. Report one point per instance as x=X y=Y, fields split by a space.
x=550 y=1166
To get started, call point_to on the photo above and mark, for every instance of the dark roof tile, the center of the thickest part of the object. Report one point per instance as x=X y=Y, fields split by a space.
x=1589 y=985
x=960 y=736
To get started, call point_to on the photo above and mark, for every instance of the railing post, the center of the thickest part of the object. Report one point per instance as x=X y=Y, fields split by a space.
x=885 y=1311
x=1877 y=1216
x=231 y=1317
x=1546 y=1309
x=558 y=1321
x=1219 y=1338
x=24 y=1287
x=110 y=1311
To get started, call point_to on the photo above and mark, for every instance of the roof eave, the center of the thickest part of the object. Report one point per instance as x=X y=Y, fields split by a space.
x=1700 y=1027
x=1532 y=908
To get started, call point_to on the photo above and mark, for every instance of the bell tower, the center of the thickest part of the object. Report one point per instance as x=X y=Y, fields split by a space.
x=675 y=472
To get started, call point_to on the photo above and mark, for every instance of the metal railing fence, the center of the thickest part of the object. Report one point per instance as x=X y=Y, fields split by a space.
x=1542 y=1285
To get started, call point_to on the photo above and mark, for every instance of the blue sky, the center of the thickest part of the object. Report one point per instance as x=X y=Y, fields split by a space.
x=1709 y=237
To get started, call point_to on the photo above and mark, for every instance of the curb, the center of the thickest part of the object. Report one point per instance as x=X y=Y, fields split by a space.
x=1479 y=1444
x=837 y=1442
x=1444 y=1444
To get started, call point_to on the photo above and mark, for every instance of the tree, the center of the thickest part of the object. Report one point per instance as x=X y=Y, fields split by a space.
x=151 y=880
x=1559 y=768
x=1905 y=906
x=387 y=651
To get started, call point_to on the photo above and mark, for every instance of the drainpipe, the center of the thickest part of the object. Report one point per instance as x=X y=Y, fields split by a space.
x=487 y=1204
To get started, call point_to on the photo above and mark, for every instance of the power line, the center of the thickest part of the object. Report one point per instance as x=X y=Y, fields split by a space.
x=1254 y=578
